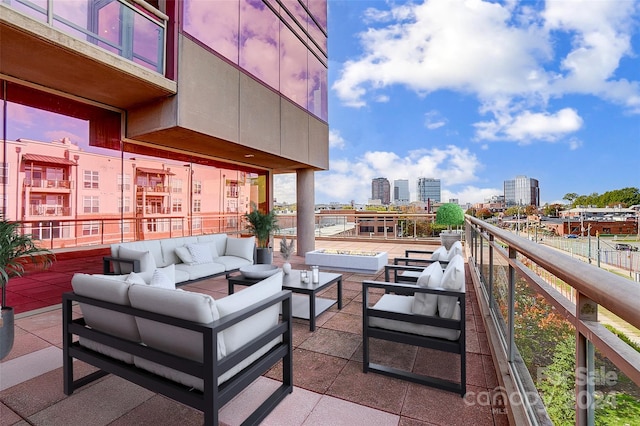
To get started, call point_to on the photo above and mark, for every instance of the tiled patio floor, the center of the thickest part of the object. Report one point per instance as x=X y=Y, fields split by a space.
x=330 y=387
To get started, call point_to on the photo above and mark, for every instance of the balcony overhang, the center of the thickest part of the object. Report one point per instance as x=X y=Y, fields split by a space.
x=182 y=140
x=36 y=53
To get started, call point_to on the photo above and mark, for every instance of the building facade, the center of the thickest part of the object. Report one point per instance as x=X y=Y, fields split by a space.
x=401 y=192
x=429 y=190
x=135 y=112
x=522 y=191
x=381 y=190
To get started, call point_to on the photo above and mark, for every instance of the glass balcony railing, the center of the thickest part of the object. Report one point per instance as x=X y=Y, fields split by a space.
x=565 y=332
x=132 y=30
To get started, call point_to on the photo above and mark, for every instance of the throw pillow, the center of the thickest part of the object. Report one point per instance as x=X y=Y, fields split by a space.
x=241 y=247
x=147 y=262
x=184 y=255
x=430 y=277
x=453 y=279
x=201 y=253
x=164 y=277
x=134 y=278
x=440 y=254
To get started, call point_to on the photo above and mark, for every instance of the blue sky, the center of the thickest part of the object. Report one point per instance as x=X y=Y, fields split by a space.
x=477 y=92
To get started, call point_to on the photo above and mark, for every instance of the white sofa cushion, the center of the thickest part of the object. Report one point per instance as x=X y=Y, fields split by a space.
x=242 y=333
x=200 y=253
x=453 y=279
x=403 y=304
x=229 y=263
x=147 y=261
x=219 y=240
x=113 y=290
x=440 y=254
x=196 y=307
x=168 y=247
x=241 y=247
x=194 y=272
x=184 y=255
x=164 y=277
x=135 y=278
x=430 y=277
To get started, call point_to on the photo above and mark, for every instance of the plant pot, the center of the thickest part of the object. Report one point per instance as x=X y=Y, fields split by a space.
x=264 y=256
x=6 y=331
x=448 y=238
x=286 y=268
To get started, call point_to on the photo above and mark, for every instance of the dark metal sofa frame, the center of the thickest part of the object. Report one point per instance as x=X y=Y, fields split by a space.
x=214 y=396
x=455 y=346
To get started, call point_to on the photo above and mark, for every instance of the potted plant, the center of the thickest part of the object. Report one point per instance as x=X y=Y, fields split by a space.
x=16 y=250
x=262 y=225
x=449 y=214
x=286 y=250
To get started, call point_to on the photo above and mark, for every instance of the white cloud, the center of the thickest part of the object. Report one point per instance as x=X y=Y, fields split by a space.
x=434 y=120
x=284 y=188
x=528 y=126
x=336 y=140
x=506 y=55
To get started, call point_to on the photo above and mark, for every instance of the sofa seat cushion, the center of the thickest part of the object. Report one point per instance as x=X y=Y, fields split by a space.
x=202 y=270
x=113 y=289
x=232 y=262
x=404 y=304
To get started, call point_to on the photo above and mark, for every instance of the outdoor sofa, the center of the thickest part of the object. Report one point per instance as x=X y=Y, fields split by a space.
x=429 y=314
x=185 y=345
x=195 y=257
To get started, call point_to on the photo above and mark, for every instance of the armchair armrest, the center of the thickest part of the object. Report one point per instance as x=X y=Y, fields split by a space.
x=107 y=260
x=407 y=253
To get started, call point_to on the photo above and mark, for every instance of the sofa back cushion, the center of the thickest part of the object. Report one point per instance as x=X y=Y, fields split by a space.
x=219 y=240
x=169 y=245
x=245 y=331
x=241 y=247
x=108 y=288
x=453 y=279
x=190 y=306
x=430 y=277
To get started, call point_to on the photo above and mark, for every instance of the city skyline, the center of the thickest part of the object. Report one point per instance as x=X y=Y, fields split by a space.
x=480 y=92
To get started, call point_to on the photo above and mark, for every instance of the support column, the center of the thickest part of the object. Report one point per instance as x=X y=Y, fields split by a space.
x=305 y=221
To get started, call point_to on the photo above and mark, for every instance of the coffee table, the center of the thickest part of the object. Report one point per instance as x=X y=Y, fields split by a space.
x=305 y=303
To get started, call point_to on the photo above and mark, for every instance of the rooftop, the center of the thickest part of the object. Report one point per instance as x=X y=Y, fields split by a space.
x=330 y=387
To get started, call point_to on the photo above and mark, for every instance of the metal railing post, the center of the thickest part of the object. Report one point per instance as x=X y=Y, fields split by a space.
x=512 y=300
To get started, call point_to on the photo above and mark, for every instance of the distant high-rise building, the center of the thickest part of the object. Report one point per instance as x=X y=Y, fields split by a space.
x=429 y=190
x=381 y=190
x=401 y=191
x=521 y=191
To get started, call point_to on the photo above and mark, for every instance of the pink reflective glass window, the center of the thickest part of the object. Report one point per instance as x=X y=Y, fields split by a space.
x=293 y=67
x=214 y=23
x=318 y=36
x=260 y=42
x=147 y=39
x=317 y=86
x=109 y=26
x=318 y=9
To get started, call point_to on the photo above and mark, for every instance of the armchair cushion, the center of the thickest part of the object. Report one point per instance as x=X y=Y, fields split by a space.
x=440 y=254
x=430 y=277
x=453 y=279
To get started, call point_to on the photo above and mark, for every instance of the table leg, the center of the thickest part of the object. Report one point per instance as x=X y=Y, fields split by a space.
x=230 y=286
x=312 y=311
x=340 y=293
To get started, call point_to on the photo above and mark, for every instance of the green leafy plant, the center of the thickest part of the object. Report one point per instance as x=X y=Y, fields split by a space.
x=286 y=247
x=261 y=225
x=450 y=214
x=17 y=250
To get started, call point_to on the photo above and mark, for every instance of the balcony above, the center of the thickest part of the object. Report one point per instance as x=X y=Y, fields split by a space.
x=37 y=53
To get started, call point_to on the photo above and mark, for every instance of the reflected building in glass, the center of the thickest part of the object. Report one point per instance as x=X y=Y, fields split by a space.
x=139 y=120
